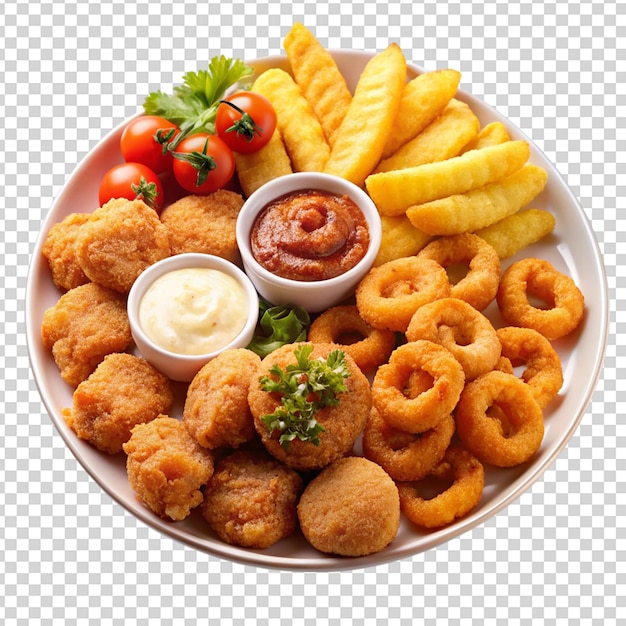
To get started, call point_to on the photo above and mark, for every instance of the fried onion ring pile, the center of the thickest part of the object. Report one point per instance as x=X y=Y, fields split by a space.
x=389 y=294
x=460 y=328
x=368 y=346
x=484 y=436
x=480 y=284
x=537 y=277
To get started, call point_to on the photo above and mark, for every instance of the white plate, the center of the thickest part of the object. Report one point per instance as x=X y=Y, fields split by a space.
x=572 y=248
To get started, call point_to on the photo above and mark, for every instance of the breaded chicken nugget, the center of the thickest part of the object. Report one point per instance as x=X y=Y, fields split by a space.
x=342 y=423
x=124 y=390
x=87 y=323
x=216 y=411
x=351 y=508
x=60 y=252
x=251 y=499
x=166 y=467
x=120 y=240
x=204 y=224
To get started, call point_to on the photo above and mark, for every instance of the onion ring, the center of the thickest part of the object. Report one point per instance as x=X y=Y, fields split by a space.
x=405 y=456
x=483 y=435
x=480 y=284
x=388 y=295
x=536 y=277
x=425 y=410
x=372 y=346
x=543 y=371
x=464 y=331
x=468 y=479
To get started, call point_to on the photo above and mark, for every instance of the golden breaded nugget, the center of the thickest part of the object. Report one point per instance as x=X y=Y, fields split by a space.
x=442 y=139
x=480 y=207
x=518 y=231
x=257 y=168
x=318 y=76
x=423 y=99
x=393 y=192
x=362 y=135
x=490 y=135
x=399 y=239
x=298 y=125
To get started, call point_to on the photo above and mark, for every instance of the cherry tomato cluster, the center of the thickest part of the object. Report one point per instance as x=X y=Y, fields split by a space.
x=154 y=152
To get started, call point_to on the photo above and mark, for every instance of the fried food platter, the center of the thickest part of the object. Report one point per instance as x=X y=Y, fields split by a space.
x=571 y=248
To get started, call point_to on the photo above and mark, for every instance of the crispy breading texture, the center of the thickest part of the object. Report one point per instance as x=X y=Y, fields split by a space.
x=423 y=99
x=394 y=192
x=365 y=128
x=318 y=76
x=481 y=207
x=257 y=168
x=298 y=125
x=518 y=231
x=490 y=135
x=442 y=139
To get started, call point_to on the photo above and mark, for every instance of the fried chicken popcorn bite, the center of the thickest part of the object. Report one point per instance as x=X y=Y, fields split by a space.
x=120 y=240
x=124 y=390
x=167 y=468
x=59 y=249
x=352 y=508
x=216 y=411
x=251 y=499
x=87 y=323
x=204 y=224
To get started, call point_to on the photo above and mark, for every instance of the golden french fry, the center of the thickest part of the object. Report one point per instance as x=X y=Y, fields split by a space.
x=490 y=135
x=318 y=76
x=518 y=231
x=393 y=192
x=481 y=207
x=423 y=99
x=442 y=139
x=364 y=130
x=257 y=168
x=299 y=127
x=400 y=239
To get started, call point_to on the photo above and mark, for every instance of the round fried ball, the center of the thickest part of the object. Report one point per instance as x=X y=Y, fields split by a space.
x=120 y=240
x=251 y=499
x=216 y=411
x=351 y=508
x=167 y=468
x=87 y=323
x=204 y=224
x=123 y=391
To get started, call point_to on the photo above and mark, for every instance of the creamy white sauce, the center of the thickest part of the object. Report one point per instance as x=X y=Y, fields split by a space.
x=193 y=310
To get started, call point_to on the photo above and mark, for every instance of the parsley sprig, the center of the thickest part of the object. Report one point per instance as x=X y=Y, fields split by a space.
x=305 y=387
x=193 y=105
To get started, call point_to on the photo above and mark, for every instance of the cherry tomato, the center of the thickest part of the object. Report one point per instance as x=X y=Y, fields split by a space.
x=144 y=140
x=203 y=163
x=249 y=124
x=133 y=181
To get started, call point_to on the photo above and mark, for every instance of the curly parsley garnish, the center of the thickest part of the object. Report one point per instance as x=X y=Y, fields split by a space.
x=305 y=388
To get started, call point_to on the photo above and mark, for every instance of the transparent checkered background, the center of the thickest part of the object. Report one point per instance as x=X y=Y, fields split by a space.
x=71 y=71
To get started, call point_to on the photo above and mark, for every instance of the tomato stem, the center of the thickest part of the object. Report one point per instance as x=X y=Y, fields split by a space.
x=202 y=162
x=245 y=126
x=145 y=191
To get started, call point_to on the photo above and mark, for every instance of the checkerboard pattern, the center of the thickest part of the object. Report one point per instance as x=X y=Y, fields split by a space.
x=72 y=70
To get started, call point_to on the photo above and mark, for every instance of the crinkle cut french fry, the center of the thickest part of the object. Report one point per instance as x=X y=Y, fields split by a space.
x=518 y=231
x=399 y=239
x=318 y=76
x=393 y=192
x=442 y=139
x=423 y=99
x=490 y=135
x=257 y=168
x=481 y=207
x=300 y=129
x=364 y=130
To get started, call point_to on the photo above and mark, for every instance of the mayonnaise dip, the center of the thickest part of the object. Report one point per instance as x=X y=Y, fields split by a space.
x=193 y=310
